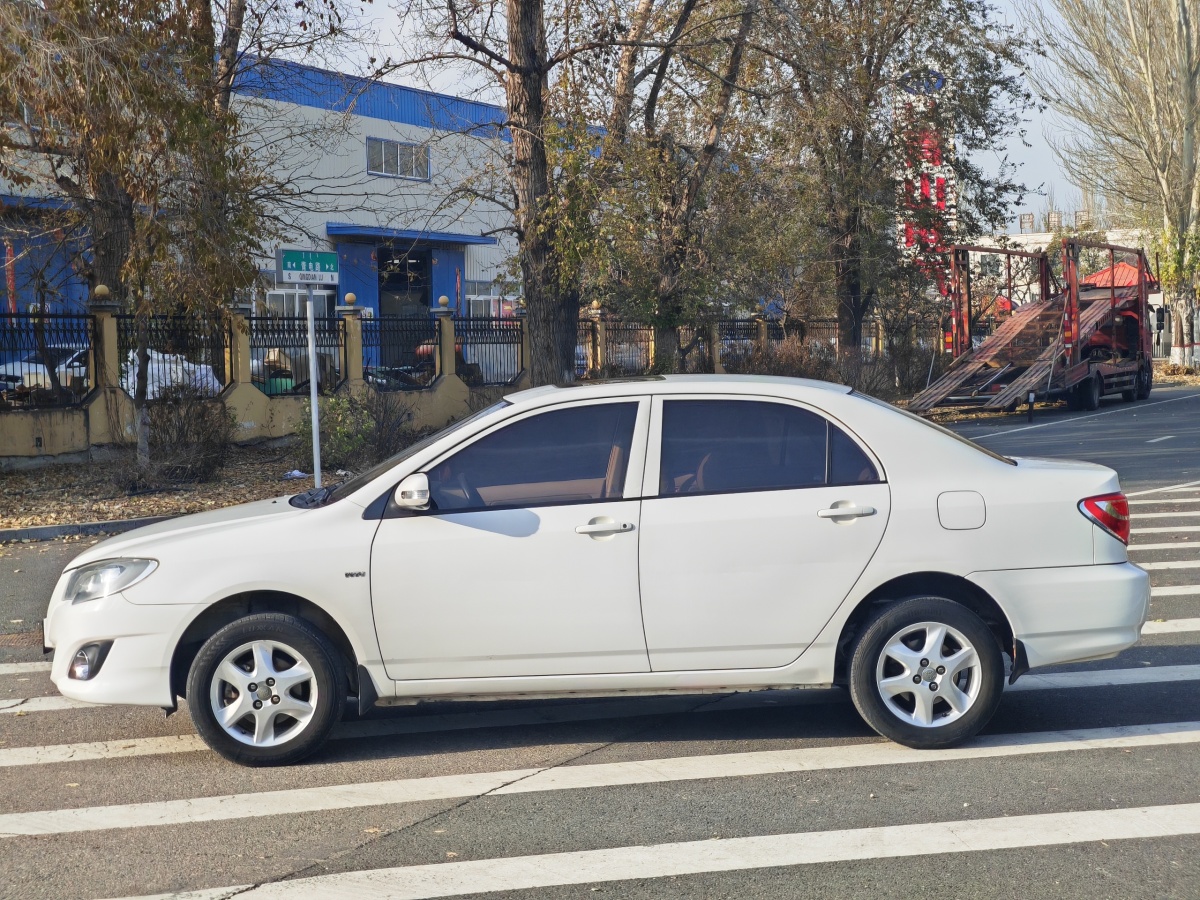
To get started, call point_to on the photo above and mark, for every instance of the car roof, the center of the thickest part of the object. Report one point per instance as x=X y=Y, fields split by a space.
x=674 y=384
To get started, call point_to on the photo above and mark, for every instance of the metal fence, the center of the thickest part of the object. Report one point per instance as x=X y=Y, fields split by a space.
x=399 y=352
x=695 y=355
x=739 y=339
x=45 y=359
x=184 y=353
x=628 y=348
x=279 y=354
x=490 y=350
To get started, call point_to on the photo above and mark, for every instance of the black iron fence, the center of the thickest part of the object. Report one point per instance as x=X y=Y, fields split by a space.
x=182 y=353
x=628 y=348
x=279 y=354
x=487 y=350
x=399 y=352
x=739 y=339
x=45 y=359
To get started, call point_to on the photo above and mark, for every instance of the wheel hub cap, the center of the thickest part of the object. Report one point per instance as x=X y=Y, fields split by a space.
x=928 y=674
x=263 y=693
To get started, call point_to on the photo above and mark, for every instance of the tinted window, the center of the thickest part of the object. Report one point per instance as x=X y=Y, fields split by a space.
x=738 y=445
x=568 y=455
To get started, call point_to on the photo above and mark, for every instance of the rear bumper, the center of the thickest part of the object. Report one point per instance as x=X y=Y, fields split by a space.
x=1071 y=614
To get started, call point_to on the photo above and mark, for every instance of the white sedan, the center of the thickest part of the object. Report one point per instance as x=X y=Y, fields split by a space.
x=651 y=535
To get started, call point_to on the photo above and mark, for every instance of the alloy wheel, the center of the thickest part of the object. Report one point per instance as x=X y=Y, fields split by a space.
x=928 y=674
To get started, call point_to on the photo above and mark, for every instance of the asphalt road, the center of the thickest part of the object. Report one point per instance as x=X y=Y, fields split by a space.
x=1086 y=787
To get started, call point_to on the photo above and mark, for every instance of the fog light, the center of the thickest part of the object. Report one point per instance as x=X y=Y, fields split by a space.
x=87 y=662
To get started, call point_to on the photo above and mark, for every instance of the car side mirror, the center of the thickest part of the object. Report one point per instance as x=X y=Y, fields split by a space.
x=413 y=492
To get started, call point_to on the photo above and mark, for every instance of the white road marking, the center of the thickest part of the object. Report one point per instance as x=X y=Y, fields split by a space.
x=526 y=781
x=729 y=855
x=1106 y=678
x=23 y=668
x=1165 y=437
x=56 y=753
x=1184 y=545
x=1170 y=529
x=1163 y=515
x=1186 y=486
x=1171 y=626
x=1159 y=501
x=1179 y=590
x=1140 y=406
x=1177 y=564
x=42 y=704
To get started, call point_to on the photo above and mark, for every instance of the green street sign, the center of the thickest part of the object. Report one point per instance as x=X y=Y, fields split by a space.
x=306 y=266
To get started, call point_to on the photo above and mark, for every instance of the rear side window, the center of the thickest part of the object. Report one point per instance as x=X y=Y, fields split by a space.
x=572 y=455
x=715 y=446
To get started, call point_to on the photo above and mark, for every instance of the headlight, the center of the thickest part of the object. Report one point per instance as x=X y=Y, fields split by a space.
x=98 y=580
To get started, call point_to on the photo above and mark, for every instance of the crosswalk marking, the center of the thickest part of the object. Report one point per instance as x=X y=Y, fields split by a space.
x=1174 y=564
x=1171 y=626
x=1106 y=678
x=23 y=668
x=1185 y=487
x=1161 y=500
x=565 y=713
x=1164 y=515
x=729 y=855
x=1172 y=529
x=524 y=781
x=1183 y=545
x=42 y=704
x=1177 y=590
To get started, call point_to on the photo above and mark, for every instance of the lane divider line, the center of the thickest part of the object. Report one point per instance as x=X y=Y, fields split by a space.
x=599 y=775
x=728 y=855
x=1165 y=437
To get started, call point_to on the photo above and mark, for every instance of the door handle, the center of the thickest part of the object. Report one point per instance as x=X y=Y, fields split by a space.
x=604 y=528
x=848 y=512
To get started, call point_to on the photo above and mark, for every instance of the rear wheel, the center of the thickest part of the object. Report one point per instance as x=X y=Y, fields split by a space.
x=926 y=673
x=266 y=690
x=1145 y=382
x=1089 y=393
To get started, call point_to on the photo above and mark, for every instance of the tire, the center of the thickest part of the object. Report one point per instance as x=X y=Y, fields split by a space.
x=1089 y=394
x=296 y=709
x=1145 y=382
x=889 y=654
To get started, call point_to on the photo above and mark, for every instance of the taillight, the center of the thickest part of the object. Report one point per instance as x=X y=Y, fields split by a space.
x=1110 y=512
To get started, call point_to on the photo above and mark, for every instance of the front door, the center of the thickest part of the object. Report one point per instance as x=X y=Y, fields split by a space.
x=766 y=513
x=526 y=563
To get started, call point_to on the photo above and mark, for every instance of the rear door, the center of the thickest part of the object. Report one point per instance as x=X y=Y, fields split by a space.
x=758 y=518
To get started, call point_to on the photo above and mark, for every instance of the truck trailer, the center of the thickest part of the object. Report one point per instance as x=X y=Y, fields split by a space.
x=1088 y=337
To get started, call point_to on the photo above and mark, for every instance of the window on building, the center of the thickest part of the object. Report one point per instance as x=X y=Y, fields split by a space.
x=398 y=159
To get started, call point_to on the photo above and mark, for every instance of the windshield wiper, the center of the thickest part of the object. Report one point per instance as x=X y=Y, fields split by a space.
x=314 y=497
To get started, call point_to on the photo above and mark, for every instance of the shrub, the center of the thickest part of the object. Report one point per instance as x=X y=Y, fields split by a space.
x=190 y=438
x=356 y=431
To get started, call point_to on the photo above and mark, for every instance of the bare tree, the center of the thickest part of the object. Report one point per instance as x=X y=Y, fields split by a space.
x=1124 y=78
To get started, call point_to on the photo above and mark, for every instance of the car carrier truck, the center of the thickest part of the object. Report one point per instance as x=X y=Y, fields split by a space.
x=1089 y=337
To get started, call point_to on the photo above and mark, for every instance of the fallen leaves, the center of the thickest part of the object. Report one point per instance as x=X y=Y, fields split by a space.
x=72 y=494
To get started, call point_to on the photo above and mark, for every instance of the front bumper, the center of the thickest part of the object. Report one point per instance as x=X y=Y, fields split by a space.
x=1073 y=613
x=137 y=669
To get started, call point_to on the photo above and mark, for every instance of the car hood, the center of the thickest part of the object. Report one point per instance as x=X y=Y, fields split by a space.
x=144 y=540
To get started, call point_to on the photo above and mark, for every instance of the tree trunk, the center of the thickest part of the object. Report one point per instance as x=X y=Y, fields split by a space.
x=139 y=399
x=112 y=237
x=1183 y=334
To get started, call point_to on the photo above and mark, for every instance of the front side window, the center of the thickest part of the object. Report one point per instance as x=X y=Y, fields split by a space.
x=575 y=455
x=397 y=158
x=715 y=446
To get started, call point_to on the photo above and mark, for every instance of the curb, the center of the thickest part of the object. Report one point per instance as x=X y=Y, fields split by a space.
x=50 y=532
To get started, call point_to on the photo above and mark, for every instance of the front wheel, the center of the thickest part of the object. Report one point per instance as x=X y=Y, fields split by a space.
x=266 y=690
x=926 y=673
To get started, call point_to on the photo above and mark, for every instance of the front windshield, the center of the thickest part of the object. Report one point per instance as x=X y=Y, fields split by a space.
x=936 y=427
x=346 y=488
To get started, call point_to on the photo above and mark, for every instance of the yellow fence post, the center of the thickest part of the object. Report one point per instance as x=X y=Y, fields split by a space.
x=446 y=342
